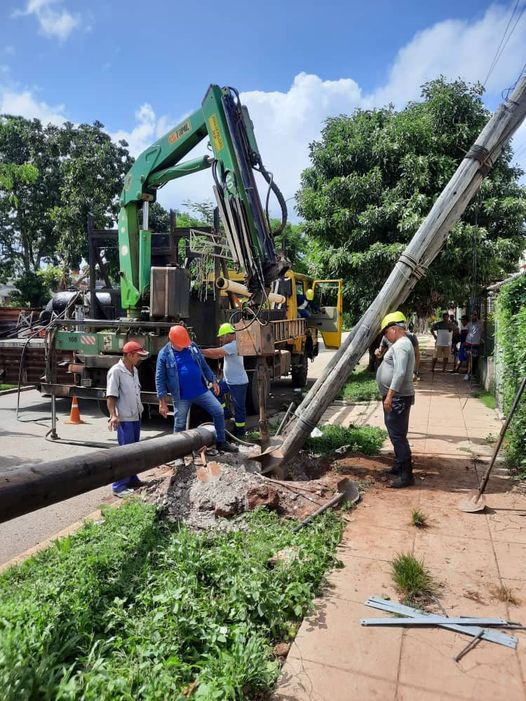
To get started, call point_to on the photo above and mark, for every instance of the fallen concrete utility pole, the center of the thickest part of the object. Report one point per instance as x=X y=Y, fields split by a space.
x=33 y=486
x=414 y=261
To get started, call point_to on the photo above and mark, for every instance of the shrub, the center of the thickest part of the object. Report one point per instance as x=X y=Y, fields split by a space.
x=511 y=341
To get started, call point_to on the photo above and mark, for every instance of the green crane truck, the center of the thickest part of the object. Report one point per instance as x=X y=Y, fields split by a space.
x=171 y=278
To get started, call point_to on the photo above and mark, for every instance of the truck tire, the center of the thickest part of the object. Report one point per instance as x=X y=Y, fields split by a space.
x=299 y=372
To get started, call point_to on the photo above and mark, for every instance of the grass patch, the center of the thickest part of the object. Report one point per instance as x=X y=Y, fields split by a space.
x=486 y=398
x=418 y=519
x=2 y=387
x=135 y=608
x=360 y=439
x=361 y=387
x=505 y=594
x=412 y=579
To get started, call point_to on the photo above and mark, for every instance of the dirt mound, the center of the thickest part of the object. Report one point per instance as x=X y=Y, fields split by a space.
x=218 y=493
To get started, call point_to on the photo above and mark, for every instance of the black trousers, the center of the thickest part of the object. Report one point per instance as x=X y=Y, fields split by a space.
x=397 y=424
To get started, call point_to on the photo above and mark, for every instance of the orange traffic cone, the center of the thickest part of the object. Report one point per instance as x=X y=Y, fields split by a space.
x=74 y=414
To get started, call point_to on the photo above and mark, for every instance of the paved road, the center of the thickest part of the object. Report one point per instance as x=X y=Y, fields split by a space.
x=23 y=441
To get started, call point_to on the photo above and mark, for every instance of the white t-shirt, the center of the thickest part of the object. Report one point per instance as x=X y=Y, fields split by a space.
x=474 y=333
x=235 y=373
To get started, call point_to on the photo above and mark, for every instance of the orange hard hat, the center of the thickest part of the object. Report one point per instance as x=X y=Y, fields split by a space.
x=179 y=336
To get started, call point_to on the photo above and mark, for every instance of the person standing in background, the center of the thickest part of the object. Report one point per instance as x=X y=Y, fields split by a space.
x=442 y=332
x=473 y=343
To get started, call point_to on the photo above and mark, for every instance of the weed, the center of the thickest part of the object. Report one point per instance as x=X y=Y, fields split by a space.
x=360 y=439
x=138 y=608
x=486 y=398
x=505 y=594
x=490 y=439
x=361 y=387
x=412 y=579
x=418 y=519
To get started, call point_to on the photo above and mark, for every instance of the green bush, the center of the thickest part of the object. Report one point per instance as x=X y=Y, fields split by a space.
x=361 y=439
x=135 y=608
x=511 y=341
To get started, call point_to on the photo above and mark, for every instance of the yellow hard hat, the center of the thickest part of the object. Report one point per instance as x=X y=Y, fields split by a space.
x=392 y=318
x=309 y=295
x=224 y=329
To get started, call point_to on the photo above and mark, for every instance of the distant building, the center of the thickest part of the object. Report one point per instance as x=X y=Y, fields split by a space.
x=6 y=290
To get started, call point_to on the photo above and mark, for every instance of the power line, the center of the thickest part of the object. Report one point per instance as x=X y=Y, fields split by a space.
x=504 y=40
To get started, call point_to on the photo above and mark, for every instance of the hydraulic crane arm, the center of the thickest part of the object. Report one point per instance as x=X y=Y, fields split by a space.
x=227 y=124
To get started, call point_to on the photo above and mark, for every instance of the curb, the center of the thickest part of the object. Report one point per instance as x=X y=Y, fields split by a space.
x=14 y=390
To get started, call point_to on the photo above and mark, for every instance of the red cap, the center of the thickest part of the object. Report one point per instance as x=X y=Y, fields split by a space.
x=134 y=347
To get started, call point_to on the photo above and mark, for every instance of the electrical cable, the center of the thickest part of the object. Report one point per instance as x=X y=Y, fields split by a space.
x=504 y=40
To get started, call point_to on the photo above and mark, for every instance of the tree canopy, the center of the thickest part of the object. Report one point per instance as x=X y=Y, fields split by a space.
x=50 y=178
x=375 y=175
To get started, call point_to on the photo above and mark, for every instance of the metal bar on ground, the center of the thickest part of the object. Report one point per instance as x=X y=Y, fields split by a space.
x=493 y=636
x=429 y=620
x=33 y=486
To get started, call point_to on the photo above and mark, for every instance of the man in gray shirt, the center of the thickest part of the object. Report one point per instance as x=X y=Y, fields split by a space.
x=123 y=397
x=395 y=382
x=235 y=379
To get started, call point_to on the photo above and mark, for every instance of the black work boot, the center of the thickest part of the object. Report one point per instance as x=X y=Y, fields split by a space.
x=392 y=471
x=405 y=479
x=227 y=447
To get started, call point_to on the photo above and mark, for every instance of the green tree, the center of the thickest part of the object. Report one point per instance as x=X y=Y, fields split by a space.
x=374 y=177
x=51 y=177
x=293 y=242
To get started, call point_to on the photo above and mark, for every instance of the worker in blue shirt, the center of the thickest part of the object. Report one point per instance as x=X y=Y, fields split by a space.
x=235 y=380
x=183 y=373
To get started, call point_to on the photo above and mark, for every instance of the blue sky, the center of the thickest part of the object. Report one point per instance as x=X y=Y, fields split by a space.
x=139 y=68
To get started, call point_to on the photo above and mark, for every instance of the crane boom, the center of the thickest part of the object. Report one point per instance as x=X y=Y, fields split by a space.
x=235 y=155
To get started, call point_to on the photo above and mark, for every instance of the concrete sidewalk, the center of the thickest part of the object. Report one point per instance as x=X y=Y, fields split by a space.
x=479 y=559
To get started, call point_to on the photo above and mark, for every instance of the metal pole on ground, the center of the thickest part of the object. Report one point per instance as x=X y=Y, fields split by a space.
x=33 y=486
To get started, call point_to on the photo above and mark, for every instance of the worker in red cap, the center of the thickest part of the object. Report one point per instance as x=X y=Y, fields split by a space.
x=123 y=397
x=183 y=373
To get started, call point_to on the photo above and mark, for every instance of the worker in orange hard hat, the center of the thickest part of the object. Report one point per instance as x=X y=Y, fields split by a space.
x=123 y=397
x=183 y=373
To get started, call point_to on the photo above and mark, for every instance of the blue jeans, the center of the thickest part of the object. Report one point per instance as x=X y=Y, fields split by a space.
x=238 y=394
x=397 y=424
x=209 y=403
x=127 y=432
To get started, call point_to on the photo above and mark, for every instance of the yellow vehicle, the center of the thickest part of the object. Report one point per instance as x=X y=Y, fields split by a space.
x=287 y=334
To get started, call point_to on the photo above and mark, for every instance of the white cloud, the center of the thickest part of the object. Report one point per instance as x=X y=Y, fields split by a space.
x=25 y=105
x=456 y=48
x=54 y=22
x=284 y=123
